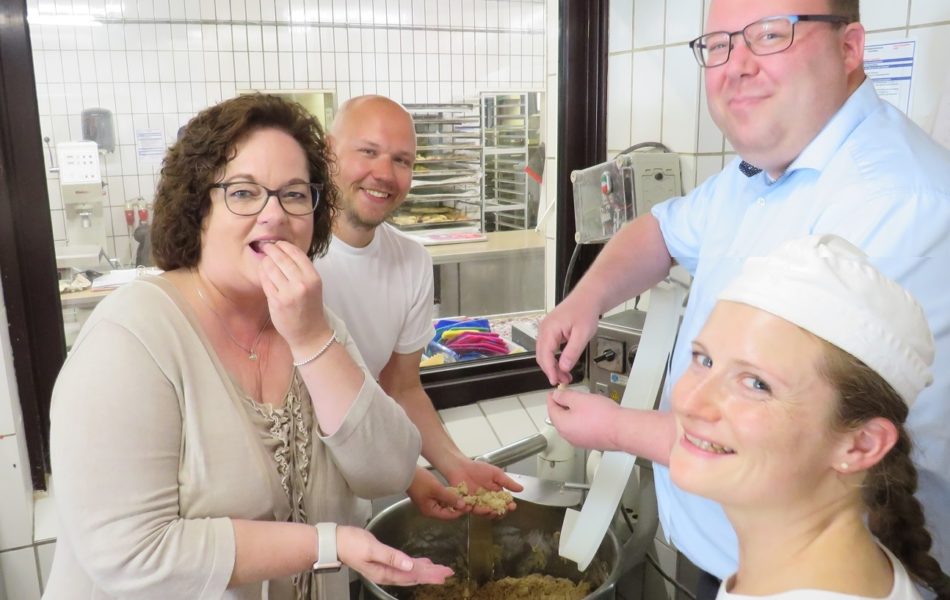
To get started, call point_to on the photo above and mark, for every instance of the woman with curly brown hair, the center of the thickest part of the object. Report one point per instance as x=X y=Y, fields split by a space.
x=207 y=419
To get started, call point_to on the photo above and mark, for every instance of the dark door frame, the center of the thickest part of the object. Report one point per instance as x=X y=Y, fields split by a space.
x=27 y=256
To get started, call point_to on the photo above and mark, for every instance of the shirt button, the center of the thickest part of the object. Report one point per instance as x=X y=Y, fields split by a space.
x=760 y=202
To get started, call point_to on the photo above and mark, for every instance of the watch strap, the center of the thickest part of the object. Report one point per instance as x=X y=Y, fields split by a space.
x=327 y=560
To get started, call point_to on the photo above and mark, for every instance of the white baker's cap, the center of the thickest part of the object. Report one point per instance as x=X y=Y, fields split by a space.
x=827 y=286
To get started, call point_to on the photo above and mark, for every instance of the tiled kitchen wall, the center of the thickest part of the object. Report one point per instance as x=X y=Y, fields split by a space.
x=154 y=63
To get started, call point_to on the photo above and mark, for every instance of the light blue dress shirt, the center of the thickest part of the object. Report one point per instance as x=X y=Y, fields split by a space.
x=873 y=177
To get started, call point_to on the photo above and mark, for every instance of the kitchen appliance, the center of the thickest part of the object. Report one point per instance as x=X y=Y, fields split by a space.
x=80 y=180
x=609 y=194
x=611 y=351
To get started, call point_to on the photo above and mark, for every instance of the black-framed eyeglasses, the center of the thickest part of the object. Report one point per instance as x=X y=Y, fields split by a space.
x=246 y=198
x=770 y=35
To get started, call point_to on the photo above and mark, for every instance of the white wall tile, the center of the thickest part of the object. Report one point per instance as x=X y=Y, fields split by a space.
x=18 y=574
x=161 y=9
x=929 y=11
x=44 y=557
x=684 y=20
x=620 y=32
x=707 y=166
x=619 y=100
x=9 y=411
x=16 y=499
x=647 y=96
x=176 y=9
x=710 y=137
x=553 y=39
x=884 y=14
x=648 y=23
x=680 y=100
x=508 y=419
x=688 y=172
x=536 y=405
x=470 y=430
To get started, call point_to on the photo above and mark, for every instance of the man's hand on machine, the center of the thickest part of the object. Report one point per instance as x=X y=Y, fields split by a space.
x=584 y=420
x=572 y=321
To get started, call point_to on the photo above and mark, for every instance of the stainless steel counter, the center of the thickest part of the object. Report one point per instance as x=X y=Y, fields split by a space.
x=500 y=244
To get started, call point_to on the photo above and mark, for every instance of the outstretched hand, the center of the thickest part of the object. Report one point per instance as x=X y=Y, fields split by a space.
x=433 y=499
x=361 y=551
x=584 y=420
x=477 y=474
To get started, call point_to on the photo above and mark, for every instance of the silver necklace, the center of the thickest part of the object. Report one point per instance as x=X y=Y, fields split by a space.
x=251 y=354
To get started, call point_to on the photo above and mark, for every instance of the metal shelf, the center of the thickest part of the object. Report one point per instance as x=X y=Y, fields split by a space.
x=447 y=177
x=511 y=129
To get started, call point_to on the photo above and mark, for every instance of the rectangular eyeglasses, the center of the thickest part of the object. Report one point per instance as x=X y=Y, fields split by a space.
x=766 y=36
x=246 y=198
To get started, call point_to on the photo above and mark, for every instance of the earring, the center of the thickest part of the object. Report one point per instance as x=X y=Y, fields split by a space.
x=844 y=466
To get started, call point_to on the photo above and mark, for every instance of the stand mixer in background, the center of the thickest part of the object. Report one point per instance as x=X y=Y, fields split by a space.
x=80 y=180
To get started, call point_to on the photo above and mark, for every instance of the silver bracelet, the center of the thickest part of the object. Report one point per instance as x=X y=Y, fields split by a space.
x=319 y=352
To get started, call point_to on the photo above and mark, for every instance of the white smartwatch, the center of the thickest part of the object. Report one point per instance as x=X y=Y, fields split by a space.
x=327 y=561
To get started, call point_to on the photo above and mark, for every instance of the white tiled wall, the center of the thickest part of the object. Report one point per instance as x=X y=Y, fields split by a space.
x=154 y=63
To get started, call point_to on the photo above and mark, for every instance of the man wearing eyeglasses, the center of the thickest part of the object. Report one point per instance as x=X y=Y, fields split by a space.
x=818 y=152
x=380 y=282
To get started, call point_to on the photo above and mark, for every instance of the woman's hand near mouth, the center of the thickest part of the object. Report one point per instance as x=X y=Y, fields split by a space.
x=294 y=294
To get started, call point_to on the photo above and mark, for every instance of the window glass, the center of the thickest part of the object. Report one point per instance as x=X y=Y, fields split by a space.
x=116 y=81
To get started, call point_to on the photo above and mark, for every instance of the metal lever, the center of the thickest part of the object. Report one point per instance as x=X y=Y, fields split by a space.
x=607 y=354
x=515 y=451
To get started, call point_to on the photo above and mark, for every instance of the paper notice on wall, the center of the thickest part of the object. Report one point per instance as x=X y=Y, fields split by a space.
x=890 y=66
x=149 y=145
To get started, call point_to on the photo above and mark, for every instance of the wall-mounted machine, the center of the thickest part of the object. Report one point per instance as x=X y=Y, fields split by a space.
x=608 y=195
x=80 y=180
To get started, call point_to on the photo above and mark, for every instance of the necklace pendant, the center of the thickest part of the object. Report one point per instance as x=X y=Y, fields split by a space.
x=252 y=356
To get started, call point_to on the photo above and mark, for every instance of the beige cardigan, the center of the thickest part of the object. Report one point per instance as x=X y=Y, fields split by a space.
x=153 y=454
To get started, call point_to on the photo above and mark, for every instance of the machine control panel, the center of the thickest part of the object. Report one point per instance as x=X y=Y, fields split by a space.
x=611 y=352
x=78 y=163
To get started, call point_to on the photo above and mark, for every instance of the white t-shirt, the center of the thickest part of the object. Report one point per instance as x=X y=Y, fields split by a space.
x=903 y=589
x=383 y=292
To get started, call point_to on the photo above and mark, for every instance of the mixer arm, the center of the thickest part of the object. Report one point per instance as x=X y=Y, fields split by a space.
x=648 y=518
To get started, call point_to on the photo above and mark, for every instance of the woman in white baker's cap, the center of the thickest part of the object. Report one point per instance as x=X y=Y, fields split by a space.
x=791 y=417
